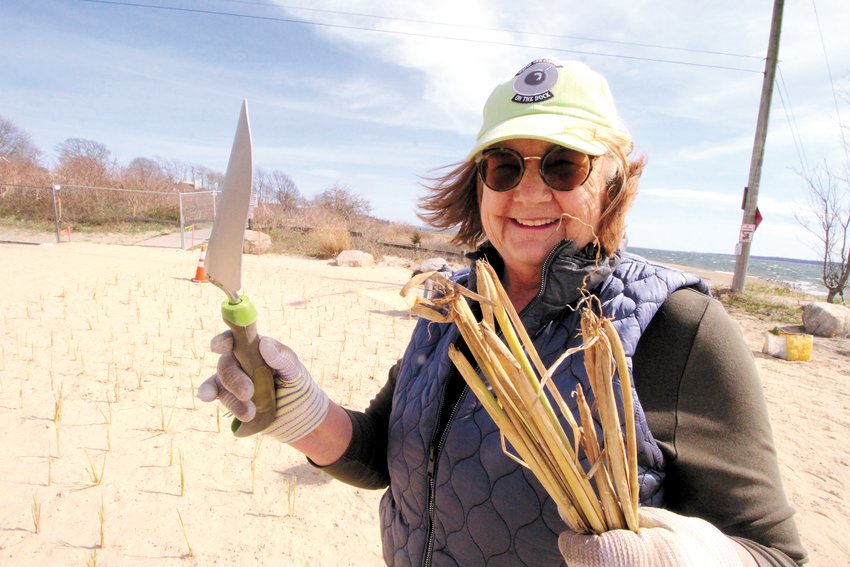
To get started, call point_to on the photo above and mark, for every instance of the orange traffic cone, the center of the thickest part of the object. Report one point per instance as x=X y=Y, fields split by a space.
x=200 y=271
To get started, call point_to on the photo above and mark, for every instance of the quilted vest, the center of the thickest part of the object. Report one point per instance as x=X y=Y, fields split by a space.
x=459 y=500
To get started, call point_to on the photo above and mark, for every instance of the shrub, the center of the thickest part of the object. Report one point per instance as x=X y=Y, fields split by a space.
x=331 y=240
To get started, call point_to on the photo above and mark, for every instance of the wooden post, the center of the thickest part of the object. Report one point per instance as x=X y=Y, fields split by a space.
x=742 y=249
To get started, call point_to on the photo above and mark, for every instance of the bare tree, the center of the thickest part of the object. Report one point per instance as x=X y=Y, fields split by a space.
x=145 y=173
x=278 y=188
x=176 y=170
x=20 y=160
x=207 y=178
x=829 y=204
x=16 y=144
x=84 y=162
x=342 y=200
x=202 y=177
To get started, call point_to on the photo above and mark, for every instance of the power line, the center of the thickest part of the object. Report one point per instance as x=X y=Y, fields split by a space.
x=792 y=120
x=832 y=85
x=413 y=34
x=503 y=30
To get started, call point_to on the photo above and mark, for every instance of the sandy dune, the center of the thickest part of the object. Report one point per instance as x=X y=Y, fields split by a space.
x=116 y=337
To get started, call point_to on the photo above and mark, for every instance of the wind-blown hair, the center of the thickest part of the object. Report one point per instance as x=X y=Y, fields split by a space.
x=452 y=198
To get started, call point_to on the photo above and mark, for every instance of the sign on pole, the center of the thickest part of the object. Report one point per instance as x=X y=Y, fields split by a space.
x=747 y=231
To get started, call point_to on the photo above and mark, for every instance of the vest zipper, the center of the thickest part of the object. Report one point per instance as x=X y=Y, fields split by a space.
x=434 y=451
x=544 y=271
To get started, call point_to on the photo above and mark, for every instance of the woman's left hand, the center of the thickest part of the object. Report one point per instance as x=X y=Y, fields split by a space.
x=665 y=539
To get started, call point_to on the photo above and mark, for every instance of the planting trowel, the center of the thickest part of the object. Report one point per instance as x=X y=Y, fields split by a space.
x=224 y=269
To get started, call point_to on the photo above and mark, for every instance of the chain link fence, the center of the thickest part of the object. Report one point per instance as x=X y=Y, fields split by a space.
x=79 y=207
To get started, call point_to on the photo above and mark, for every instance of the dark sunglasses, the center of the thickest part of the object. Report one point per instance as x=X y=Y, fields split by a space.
x=562 y=169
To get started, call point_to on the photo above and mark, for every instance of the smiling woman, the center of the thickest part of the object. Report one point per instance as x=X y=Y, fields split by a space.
x=563 y=127
x=544 y=195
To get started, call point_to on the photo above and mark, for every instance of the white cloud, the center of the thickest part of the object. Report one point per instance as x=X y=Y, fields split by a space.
x=687 y=195
x=715 y=149
x=382 y=108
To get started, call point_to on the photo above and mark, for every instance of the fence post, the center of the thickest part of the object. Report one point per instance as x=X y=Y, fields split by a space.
x=56 y=208
x=182 y=237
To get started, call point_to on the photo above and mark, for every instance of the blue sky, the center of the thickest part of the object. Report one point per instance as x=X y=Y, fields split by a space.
x=375 y=94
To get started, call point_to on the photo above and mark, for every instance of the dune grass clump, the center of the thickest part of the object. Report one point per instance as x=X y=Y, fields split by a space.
x=766 y=301
x=331 y=240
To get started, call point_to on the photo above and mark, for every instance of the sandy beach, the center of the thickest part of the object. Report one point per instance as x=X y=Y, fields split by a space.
x=107 y=458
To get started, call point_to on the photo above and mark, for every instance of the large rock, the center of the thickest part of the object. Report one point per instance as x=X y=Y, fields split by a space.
x=433 y=265
x=355 y=258
x=826 y=319
x=256 y=242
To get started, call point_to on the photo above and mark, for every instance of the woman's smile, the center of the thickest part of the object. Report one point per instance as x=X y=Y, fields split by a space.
x=536 y=223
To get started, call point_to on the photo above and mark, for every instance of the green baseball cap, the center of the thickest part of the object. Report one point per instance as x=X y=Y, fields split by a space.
x=566 y=103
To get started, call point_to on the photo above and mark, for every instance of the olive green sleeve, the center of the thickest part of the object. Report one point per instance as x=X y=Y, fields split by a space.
x=364 y=463
x=699 y=387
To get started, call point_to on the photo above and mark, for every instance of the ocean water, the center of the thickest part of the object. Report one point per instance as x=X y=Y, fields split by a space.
x=804 y=275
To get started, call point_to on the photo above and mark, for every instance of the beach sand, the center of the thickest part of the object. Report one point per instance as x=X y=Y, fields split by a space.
x=107 y=455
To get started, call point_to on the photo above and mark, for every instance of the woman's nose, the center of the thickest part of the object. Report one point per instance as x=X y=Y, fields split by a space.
x=531 y=188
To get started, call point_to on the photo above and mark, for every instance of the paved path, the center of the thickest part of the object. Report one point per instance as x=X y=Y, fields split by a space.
x=190 y=240
x=173 y=240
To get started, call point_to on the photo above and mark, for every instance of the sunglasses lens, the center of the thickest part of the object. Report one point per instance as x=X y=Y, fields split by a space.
x=564 y=169
x=501 y=169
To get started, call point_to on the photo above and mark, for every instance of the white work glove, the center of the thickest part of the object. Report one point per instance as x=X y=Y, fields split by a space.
x=666 y=539
x=301 y=404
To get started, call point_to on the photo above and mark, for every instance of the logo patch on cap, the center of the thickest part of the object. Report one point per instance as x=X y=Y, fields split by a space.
x=534 y=82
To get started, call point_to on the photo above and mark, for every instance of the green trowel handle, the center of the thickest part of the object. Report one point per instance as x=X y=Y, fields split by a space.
x=241 y=318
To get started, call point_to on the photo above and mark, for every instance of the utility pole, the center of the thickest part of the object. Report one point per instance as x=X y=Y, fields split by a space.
x=748 y=222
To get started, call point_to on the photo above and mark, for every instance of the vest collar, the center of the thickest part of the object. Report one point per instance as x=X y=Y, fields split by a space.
x=565 y=272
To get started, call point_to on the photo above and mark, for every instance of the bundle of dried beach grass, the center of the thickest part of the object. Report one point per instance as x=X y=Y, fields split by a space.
x=514 y=393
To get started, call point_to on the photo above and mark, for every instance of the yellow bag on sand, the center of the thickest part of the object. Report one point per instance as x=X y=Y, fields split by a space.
x=788 y=346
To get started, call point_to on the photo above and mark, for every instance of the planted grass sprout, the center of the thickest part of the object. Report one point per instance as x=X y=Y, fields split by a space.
x=101 y=514
x=165 y=423
x=182 y=475
x=290 y=494
x=95 y=475
x=36 y=513
x=57 y=404
x=254 y=456
x=49 y=466
x=185 y=534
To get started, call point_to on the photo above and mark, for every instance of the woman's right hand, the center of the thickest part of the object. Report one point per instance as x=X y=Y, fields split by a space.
x=301 y=404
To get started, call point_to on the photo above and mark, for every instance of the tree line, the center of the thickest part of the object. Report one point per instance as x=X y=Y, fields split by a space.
x=90 y=163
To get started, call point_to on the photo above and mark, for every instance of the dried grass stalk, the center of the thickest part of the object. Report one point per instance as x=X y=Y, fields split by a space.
x=513 y=385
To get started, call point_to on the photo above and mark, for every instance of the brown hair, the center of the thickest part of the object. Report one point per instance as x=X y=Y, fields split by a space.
x=453 y=197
